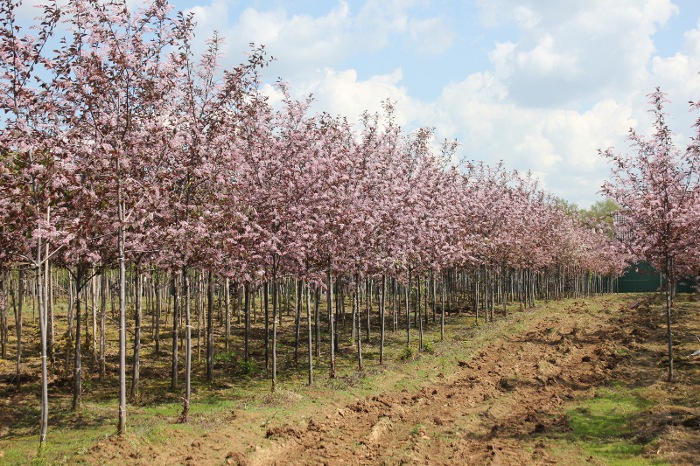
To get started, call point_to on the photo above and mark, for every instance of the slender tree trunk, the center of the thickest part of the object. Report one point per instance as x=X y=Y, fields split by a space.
x=297 y=319
x=331 y=317
x=121 y=428
x=103 y=323
x=239 y=298
x=368 y=291
x=158 y=310
x=476 y=296
x=227 y=301
x=77 y=383
x=408 y=310
x=358 y=312
x=219 y=306
x=136 y=367
x=425 y=313
x=18 y=325
x=317 y=320
x=94 y=284
x=44 y=422
x=505 y=292
x=48 y=303
x=86 y=302
x=274 y=322
x=188 y=344
x=382 y=310
x=394 y=307
x=199 y=294
x=266 y=304
x=669 y=305
x=310 y=334
x=253 y=307
x=70 y=333
x=353 y=327
x=4 y=319
x=442 y=314
x=419 y=310
x=176 y=323
x=210 y=328
x=246 y=336
x=433 y=291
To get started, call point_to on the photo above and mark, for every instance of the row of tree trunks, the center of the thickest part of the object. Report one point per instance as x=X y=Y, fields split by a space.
x=487 y=290
x=422 y=297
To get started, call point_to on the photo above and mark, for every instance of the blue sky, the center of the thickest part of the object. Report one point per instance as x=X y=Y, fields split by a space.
x=540 y=84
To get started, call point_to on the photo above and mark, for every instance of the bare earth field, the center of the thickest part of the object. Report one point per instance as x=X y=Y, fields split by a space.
x=573 y=382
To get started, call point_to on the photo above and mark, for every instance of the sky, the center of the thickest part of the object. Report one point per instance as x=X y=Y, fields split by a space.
x=540 y=84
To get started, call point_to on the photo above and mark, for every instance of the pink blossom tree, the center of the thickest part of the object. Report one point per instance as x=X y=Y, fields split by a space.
x=31 y=177
x=115 y=79
x=656 y=190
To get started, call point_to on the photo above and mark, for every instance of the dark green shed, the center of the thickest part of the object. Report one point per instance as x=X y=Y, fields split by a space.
x=643 y=278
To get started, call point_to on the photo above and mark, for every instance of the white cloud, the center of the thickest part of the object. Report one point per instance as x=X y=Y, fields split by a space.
x=340 y=92
x=567 y=51
x=378 y=20
x=544 y=60
x=677 y=75
x=561 y=145
x=570 y=81
x=430 y=36
x=538 y=151
x=301 y=44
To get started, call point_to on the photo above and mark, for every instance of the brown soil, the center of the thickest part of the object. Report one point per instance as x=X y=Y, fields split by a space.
x=489 y=410
x=506 y=404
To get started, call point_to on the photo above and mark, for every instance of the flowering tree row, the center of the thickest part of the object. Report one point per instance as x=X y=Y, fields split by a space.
x=120 y=149
x=658 y=191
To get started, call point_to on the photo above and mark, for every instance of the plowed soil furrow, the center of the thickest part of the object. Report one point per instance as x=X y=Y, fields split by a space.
x=486 y=411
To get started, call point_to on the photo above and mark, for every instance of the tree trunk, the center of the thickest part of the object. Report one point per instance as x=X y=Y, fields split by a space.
x=359 y=321
x=669 y=305
x=176 y=323
x=394 y=307
x=121 y=428
x=310 y=334
x=210 y=329
x=4 y=311
x=368 y=292
x=18 y=325
x=317 y=320
x=476 y=296
x=382 y=302
x=408 y=310
x=419 y=316
x=77 y=383
x=188 y=345
x=266 y=304
x=297 y=319
x=136 y=367
x=274 y=322
x=48 y=303
x=158 y=309
x=70 y=324
x=199 y=294
x=103 y=323
x=442 y=314
x=93 y=299
x=43 y=321
x=246 y=337
x=227 y=301
x=331 y=318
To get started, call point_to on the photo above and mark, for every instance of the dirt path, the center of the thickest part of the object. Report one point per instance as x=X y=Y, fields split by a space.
x=484 y=412
x=509 y=398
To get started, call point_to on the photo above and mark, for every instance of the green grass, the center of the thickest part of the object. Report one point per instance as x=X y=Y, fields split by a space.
x=600 y=425
x=605 y=426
